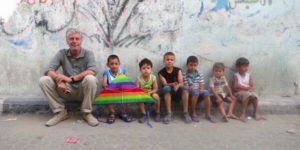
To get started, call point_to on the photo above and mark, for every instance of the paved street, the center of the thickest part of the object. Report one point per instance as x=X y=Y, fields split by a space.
x=27 y=131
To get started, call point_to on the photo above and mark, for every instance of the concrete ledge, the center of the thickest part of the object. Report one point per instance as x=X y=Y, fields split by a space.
x=267 y=105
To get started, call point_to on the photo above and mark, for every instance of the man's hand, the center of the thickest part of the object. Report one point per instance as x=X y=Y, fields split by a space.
x=62 y=78
x=62 y=86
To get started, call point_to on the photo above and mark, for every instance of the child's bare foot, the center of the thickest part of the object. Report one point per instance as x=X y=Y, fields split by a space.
x=257 y=117
x=232 y=116
x=225 y=119
x=242 y=118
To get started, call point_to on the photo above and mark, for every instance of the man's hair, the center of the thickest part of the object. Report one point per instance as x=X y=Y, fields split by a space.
x=218 y=65
x=73 y=30
x=110 y=57
x=169 y=54
x=242 y=61
x=145 y=61
x=192 y=59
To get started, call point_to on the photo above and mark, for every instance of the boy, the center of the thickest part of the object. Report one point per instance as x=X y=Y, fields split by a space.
x=114 y=69
x=221 y=91
x=172 y=82
x=148 y=82
x=243 y=88
x=194 y=82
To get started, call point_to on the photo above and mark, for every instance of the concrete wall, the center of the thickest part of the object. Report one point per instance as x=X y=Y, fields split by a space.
x=265 y=31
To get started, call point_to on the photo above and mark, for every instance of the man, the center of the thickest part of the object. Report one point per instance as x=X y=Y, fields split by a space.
x=77 y=82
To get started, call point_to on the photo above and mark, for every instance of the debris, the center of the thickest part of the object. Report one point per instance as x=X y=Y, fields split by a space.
x=72 y=140
x=10 y=119
x=79 y=121
x=291 y=131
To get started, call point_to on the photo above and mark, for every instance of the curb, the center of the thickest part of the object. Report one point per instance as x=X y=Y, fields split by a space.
x=267 y=105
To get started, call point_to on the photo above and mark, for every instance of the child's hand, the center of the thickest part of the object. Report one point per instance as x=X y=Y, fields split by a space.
x=251 y=89
x=229 y=100
x=176 y=87
x=218 y=99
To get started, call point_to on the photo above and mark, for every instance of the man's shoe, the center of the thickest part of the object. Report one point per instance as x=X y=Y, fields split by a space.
x=90 y=119
x=60 y=116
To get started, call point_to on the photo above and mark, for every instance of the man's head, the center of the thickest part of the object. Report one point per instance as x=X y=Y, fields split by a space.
x=192 y=63
x=73 y=37
x=169 y=59
x=218 y=69
x=242 y=65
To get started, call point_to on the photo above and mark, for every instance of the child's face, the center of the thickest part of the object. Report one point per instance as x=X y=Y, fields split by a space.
x=169 y=61
x=146 y=70
x=192 y=66
x=113 y=65
x=243 y=69
x=218 y=72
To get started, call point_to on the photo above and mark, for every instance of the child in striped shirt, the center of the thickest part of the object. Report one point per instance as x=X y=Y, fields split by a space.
x=194 y=82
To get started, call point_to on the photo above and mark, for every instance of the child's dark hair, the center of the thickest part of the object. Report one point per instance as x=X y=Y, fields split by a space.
x=110 y=57
x=242 y=61
x=219 y=65
x=192 y=59
x=168 y=54
x=145 y=61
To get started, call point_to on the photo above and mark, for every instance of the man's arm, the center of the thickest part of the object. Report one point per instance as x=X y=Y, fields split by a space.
x=58 y=78
x=80 y=76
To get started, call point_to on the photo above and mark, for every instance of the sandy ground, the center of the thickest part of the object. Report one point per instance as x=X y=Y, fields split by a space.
x=27 y=131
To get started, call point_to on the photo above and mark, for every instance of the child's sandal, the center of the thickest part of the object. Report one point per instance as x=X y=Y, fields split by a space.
x=111 y=118
x=125 y=117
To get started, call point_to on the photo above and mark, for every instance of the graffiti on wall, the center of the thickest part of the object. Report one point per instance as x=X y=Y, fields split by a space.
x=215 y=30
x=113 y=23
x=43 y=2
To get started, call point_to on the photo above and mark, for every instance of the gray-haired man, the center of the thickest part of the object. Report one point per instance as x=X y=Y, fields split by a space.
x=77 y=82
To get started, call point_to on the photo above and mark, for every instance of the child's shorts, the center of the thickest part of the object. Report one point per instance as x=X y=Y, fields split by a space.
x=193 y=92
x=175 y=95
x=242 y=94
x=214 y=99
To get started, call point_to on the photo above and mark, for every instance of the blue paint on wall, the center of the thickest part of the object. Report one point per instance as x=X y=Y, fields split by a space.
x=20 y=43
x=221 y=4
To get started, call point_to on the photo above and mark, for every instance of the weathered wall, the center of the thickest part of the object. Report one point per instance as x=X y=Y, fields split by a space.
x=265 y=31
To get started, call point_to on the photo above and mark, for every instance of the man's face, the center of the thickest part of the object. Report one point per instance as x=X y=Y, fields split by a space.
x=74 y=41
x=169 y=61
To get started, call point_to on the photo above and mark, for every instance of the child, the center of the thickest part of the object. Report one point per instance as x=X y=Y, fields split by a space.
x=172 y=82
x=243 y=88
x=113 y=63
x=193 y=80
x=148 y=82
x=221 y=91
